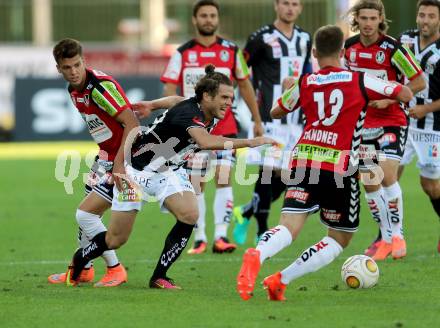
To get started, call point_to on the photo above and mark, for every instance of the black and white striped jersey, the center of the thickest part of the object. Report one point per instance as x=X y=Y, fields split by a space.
x=166 y=143
x=273 y=57
x=429 y=59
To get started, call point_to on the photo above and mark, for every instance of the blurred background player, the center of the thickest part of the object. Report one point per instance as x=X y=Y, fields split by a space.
x=274 y=52
x=424 y=129
x=375 y=52
x=334 y=101
x=184 y=69
x=107 y=112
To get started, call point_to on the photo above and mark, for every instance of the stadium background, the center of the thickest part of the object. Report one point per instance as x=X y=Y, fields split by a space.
x=131 y=39
x=37 y=226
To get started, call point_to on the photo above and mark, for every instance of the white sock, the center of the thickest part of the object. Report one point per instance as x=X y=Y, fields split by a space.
x=83 y=241
x=91 y=225
x=273 y=241
x=379 y=210
x=312 y=259
x=199 y=229
x=223 y=205
x=393 y=196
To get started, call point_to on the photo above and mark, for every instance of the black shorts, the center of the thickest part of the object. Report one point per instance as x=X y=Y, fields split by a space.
x=335 y=196
x=382 y=143
x=97 y=180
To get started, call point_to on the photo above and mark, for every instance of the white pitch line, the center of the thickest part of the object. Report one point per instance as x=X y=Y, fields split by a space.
x=188 y=261
x=199 y=260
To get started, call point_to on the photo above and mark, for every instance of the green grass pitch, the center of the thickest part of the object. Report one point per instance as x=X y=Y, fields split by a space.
x=38 y=235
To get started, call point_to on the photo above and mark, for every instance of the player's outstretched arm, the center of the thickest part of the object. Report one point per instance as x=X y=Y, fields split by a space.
x=143 y=109
x=130 y=122
x=208 y=141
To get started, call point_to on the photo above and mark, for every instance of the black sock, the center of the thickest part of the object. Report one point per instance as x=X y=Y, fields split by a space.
x=252 y=207
x=175 y=243
x=93 y=250
x=278 y=187
x=436 y=204
x=264 y=192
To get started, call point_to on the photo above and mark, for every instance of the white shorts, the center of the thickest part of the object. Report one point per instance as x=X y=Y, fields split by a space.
x=127 y=200
x=160 y=185
x=287 y=135
x=201 y=162
x=426 y=145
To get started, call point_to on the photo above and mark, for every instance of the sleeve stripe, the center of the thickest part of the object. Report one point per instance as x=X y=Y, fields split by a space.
x=405 y=64
x=111 y=89
x=103 y=102
x=241 y=67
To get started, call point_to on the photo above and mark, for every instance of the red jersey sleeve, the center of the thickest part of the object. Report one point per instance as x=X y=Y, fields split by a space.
x=173 y=71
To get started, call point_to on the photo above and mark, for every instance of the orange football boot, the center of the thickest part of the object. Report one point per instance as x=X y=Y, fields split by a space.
x=113 y=277
x=248 y=273
x=274 y=287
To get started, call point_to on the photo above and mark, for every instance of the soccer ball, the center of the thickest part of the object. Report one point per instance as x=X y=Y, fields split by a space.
x=360 y=271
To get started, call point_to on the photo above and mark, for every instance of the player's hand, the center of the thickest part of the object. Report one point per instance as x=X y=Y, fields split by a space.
x=288 y=82
x=418 y=111
x=259 y=141
x=381 y=104
x=258 y=129
x=142 y=109
x=119 y=175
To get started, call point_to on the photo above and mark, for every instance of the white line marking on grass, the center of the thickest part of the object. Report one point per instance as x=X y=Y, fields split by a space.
x=221 y=259
x=189 y=261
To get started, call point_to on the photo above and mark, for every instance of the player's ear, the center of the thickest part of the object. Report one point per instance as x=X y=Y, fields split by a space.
x=314 y=52
x=193 y=19
x=58 y=69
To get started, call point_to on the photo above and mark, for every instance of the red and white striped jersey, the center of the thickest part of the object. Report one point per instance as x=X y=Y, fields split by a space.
x=187 y=66
x=334 y=102
x=388 y=60
x=101 y=101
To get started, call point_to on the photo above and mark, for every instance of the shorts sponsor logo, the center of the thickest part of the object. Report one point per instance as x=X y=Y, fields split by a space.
x=128 y=193
x=387 y=139
x=367 y=152
x=298 y=194
x=371 y=134
x=331 y=215
x=312 y=250
x=433 y=151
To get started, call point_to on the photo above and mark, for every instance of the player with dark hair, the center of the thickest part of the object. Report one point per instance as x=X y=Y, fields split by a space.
x=184 y=69
x=385 y=132
x=274 y=52
x=157 y=157
x=107 y=112
x=424 y=128
x=324 y=164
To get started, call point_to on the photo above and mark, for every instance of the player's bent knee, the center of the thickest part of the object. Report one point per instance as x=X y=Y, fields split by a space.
x=189 y=216
x=343 y=238
x=115 y=241
x=432 y=189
